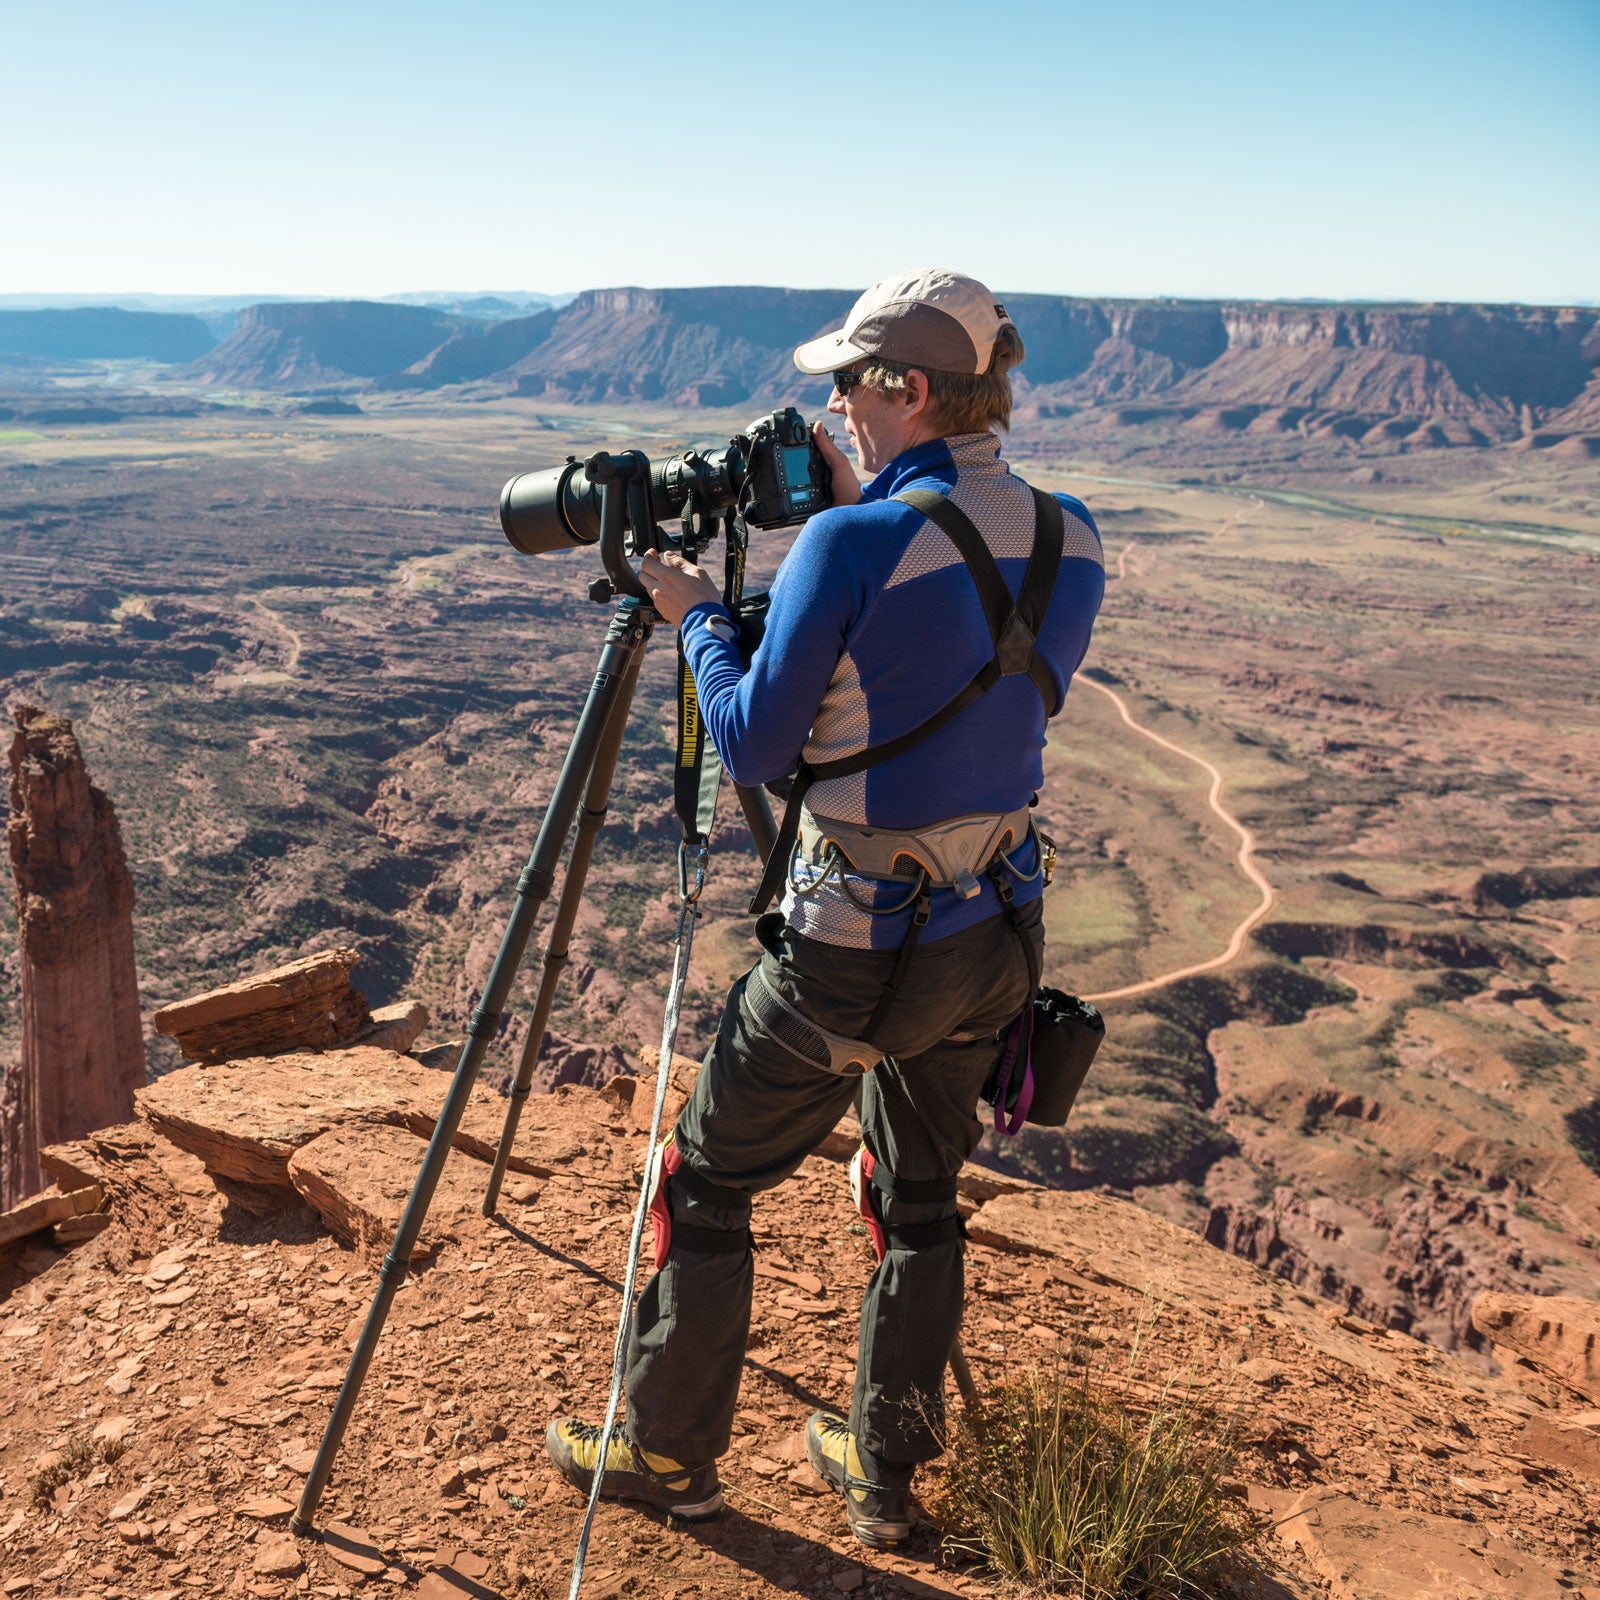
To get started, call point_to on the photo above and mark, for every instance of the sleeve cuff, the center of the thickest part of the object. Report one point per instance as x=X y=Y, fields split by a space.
x=710 y=613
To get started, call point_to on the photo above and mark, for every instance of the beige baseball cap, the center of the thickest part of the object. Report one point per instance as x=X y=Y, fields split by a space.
x=927 y=318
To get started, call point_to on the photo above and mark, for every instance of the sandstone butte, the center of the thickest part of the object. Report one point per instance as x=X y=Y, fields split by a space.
x=170 y=1378
x=82 y=1051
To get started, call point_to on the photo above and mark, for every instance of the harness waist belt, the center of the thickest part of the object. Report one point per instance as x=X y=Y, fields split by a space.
x=951 y=853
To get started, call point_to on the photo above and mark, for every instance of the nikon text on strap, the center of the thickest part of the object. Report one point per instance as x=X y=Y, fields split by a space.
x=1014 y=628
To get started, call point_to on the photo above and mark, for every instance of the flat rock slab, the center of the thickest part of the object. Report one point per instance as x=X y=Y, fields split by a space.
x=306 y=979
x=1555 y=1334
x=1370 y=1554
x=47 y=1208
x=307 y=1005
x=244 y=1119
x=359 y=1179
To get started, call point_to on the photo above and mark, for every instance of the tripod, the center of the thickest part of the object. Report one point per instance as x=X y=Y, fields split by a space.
x=585 y=777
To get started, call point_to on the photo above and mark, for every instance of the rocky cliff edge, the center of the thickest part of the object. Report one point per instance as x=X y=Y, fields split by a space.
x=169 y=1378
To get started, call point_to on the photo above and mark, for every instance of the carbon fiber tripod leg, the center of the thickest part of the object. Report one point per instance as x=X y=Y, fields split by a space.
x=590 y=820
x=625 y=640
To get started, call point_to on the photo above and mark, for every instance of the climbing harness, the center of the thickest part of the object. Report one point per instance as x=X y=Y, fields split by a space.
x=1014 y=627
x=812 y=1043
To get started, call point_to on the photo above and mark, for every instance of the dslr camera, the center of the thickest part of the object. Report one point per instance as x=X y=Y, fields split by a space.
x=769 y=476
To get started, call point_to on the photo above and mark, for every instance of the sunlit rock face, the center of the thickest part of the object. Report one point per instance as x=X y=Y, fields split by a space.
x=82 y=1052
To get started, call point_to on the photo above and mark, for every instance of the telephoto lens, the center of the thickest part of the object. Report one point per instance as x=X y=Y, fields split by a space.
x=551 y=510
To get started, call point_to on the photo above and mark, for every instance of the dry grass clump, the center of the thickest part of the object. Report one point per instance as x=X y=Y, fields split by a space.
x=78 y=1455
x=1069 y=1489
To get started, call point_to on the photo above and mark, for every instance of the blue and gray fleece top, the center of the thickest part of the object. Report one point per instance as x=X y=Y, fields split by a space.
x=875 y=624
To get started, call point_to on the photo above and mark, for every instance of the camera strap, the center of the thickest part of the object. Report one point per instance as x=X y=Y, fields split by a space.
x=697 y=772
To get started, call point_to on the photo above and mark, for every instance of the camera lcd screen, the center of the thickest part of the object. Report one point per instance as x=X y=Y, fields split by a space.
x=797 y=469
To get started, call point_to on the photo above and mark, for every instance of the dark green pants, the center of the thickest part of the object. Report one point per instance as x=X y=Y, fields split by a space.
x=758 y=1110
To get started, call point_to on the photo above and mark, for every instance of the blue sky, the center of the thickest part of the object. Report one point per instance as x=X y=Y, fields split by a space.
x=1412 y=150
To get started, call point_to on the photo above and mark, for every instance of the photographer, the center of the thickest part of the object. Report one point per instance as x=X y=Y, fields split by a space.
x=911 y=925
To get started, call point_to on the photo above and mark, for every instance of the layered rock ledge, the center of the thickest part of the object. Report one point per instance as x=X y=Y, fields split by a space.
x=208 y=1340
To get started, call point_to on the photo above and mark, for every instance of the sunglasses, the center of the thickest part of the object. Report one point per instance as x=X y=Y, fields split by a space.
x=848 y=378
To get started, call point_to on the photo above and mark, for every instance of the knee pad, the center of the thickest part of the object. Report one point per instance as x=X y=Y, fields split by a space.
x=870 y=1180
x=667 y=1170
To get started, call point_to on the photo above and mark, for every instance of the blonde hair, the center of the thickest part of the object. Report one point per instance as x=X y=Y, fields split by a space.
x=961 y=402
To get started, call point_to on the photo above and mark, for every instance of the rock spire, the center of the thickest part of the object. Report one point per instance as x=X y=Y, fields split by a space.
x=82 y=1047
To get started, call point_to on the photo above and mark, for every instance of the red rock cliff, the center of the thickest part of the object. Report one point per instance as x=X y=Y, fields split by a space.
x=82 y=1048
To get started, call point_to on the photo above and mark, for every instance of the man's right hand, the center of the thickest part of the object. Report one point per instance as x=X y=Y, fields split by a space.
x=846 y=485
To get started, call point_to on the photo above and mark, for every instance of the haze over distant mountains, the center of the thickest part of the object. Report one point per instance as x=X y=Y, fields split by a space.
x=1480 y=373
x=220 y=312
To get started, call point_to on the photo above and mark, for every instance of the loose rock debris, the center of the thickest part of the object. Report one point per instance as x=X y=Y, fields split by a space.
x=203 y=1343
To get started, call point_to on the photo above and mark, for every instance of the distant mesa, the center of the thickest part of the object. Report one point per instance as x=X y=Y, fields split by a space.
x=102 y=333
x=311 y=345
x=1417 y=377
x=327 y=408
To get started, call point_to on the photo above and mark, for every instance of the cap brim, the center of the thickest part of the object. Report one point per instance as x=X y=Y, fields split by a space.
x=828 y=353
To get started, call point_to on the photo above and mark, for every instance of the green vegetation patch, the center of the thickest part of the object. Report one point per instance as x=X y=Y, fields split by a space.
x=1076 y=1490
x=1539 y=1053
x=1583 y=1129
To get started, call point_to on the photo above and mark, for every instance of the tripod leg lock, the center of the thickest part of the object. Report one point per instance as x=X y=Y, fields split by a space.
x=486 y=1025
x=394 y=1270
x=537 y=880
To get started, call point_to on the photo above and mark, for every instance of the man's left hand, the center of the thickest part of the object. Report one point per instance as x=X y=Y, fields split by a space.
x=676 y=586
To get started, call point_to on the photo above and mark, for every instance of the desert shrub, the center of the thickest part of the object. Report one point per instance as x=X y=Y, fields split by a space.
x=1583 y=1129
x=1539 y=1053
x=1071 y=1489
x=63 y=1469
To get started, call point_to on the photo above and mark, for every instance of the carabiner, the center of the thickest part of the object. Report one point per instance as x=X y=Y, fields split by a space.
x=700 y=850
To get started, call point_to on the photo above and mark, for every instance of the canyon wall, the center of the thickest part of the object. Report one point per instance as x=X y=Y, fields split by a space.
x=1496 y=369
x=82 y=1052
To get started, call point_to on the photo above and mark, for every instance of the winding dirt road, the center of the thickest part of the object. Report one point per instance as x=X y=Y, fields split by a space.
x=1245 y=857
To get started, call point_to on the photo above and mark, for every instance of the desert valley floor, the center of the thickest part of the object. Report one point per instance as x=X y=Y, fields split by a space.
x=328 y=701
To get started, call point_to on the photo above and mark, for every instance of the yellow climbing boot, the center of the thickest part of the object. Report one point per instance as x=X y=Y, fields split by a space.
x=879 y=1513
x=690 y=1493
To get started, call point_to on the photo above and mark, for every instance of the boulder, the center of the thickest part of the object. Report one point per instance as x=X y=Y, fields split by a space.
x=395 y=1027
x=1556 y=1335
x=307 y=1005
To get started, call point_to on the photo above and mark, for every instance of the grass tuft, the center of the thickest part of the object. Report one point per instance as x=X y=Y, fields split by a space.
x=1069 y=1489
x=79 y=1454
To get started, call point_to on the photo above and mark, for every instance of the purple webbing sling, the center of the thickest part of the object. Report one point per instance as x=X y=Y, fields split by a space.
x=1019 y=1041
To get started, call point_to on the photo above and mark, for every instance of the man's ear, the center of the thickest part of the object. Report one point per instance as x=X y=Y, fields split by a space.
x=915 y=392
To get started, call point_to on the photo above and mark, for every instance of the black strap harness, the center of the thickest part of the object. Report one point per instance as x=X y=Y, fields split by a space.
x=1014 y=628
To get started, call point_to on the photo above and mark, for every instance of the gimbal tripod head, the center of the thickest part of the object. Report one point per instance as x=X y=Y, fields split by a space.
x=628 y=524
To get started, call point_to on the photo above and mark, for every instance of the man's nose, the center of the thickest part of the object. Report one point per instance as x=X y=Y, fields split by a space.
x=836 y=403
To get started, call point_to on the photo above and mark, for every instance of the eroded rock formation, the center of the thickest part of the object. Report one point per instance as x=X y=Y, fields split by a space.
x=82 y=1048
x=1556 y=1335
